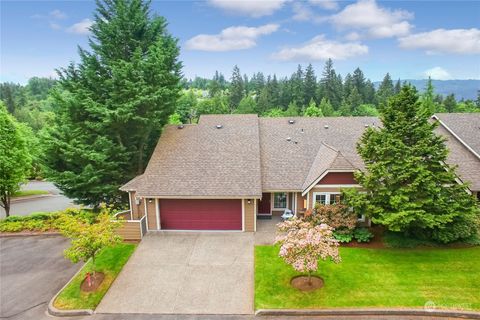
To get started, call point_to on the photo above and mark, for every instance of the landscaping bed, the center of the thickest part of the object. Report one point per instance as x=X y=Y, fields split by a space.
x=109 y=262
x=26 y=193
x=448 y=278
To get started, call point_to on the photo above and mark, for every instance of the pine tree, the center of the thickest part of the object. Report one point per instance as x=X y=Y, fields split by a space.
x=327 y=108
x=398 y=87
x=410 y=188
x=310 y=84
x=292 y=111
x=298 y=88
x=237 y=89
x=358 y=81
x=427 y=99
x=111 y=107
x=247 y=106
x=354 y=100
x=477 y=101
x=330 y=85
x=385 y=90
x=450 y=103
x=215 y=86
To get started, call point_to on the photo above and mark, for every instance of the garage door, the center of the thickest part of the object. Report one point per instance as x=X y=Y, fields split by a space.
x=182 y=214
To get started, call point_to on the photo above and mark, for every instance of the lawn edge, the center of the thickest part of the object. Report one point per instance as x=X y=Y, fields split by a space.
x=52 y=310
x=369 y=312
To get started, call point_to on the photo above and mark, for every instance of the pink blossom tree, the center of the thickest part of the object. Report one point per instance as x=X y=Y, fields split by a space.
x=303 y=244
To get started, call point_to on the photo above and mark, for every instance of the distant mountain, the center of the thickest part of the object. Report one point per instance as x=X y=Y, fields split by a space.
x=466 y=89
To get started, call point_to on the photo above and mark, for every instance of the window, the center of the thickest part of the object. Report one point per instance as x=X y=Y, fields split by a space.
x=327 y=197
x=280 y=200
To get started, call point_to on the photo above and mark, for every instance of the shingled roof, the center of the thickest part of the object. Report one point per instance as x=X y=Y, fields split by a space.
x=203 y=161
x=249 y=155
x=466 y=126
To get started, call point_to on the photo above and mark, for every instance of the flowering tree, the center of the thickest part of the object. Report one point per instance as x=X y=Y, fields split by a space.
x=303 y=244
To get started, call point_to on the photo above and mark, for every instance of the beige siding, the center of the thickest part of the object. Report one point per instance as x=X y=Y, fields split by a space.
x=130 y=231
x=250 y=215
x=137 y=210
x=151 y=214
x=300 y=202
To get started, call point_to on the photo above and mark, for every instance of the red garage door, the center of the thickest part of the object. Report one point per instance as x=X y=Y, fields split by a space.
x=183 y=214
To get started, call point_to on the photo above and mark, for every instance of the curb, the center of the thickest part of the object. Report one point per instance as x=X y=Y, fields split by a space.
x=33 y=197
x=67 y=313
x=370 y=312
x=28 y=234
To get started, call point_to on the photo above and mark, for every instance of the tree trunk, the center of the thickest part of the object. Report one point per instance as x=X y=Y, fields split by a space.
x=6 y=204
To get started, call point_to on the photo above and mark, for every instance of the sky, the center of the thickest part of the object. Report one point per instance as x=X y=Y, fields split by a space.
x=408 y=39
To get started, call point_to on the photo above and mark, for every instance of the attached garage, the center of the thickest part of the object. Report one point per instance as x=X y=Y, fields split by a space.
x=200 y=214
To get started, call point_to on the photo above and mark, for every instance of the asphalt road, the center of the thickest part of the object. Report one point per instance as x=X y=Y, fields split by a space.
x=53 y=202
x=32 y=271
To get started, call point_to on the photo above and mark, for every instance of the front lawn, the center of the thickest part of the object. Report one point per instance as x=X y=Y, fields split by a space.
x=110 y=261
x=24 y=193
x=375 y=278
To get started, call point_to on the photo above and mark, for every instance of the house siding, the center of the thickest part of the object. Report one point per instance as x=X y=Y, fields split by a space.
x=249 y=215
x=138 y=211
x=151 y=214
x=338 y=178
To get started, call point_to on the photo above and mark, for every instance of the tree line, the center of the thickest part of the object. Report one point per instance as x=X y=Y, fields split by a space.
x=303 y=93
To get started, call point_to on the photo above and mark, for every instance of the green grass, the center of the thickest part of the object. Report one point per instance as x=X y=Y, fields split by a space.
x=375 y=278
x=110 y=261
x=24 y=193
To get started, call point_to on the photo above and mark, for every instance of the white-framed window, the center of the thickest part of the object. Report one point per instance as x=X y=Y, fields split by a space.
x=332 y=198
x=327 y=197
x=280 y=200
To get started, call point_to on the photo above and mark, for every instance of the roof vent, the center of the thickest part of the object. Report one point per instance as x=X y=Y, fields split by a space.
x=291 y=121
x=181 y=126
x=289 y=139
x=326 y=126
x=219 y=126
x=301 y=131
x=366 y=125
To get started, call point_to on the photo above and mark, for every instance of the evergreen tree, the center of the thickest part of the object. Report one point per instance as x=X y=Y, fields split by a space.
x=310 y=85
x=358 y=81
x=427 y=99
x=247 y=105
x=385 y=90
x=312 y=110
x=354 y=100
x=186 y=106
x=477 y=101
x=292 y=111
x=298 y=88
x=410 y=188
x=369 y=93
x=330 y=85
x=215 y=86
x=327 y=108
x=398 y=87
x=112 y=106
x=237 y=89
x=450 y=103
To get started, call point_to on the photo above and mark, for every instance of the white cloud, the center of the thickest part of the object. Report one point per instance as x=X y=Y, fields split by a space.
x=57 y=14
x=437 y=73
x=320 y=48
x=301 y=12
x=232 y=38
x=374 y=21
x=258 y=8
x=82 y=27
x=325 y=4
x=54 y=26
x=459 y=41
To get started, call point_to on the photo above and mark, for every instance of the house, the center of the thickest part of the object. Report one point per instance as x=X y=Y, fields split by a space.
x=229 y=170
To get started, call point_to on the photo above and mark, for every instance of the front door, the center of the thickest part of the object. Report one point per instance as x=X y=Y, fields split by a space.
x=264 y=204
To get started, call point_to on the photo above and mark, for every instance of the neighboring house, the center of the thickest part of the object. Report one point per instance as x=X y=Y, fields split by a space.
x=227 y=170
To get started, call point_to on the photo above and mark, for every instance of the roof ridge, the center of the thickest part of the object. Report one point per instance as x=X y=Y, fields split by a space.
x=315 y=159
x=339 y=153
x=329 y=146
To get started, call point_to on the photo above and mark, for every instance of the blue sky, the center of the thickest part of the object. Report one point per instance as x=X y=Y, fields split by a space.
x=409 y=39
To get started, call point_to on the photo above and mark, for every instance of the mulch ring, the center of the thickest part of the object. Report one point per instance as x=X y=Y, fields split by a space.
x=302 y=283
x=375 y=243
x=96 y=280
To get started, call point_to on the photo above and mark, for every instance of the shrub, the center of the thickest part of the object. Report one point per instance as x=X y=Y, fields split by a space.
x=362 y=235
x=11 y=226
x=337 y=216
x=343 y=237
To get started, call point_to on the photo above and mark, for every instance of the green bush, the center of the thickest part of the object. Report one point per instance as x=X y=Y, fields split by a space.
x=11 y=226
x=343 y=237
x=399 y=240
x=362 y=235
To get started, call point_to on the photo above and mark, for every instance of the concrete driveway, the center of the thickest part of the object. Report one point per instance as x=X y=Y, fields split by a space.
x=186 y=273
